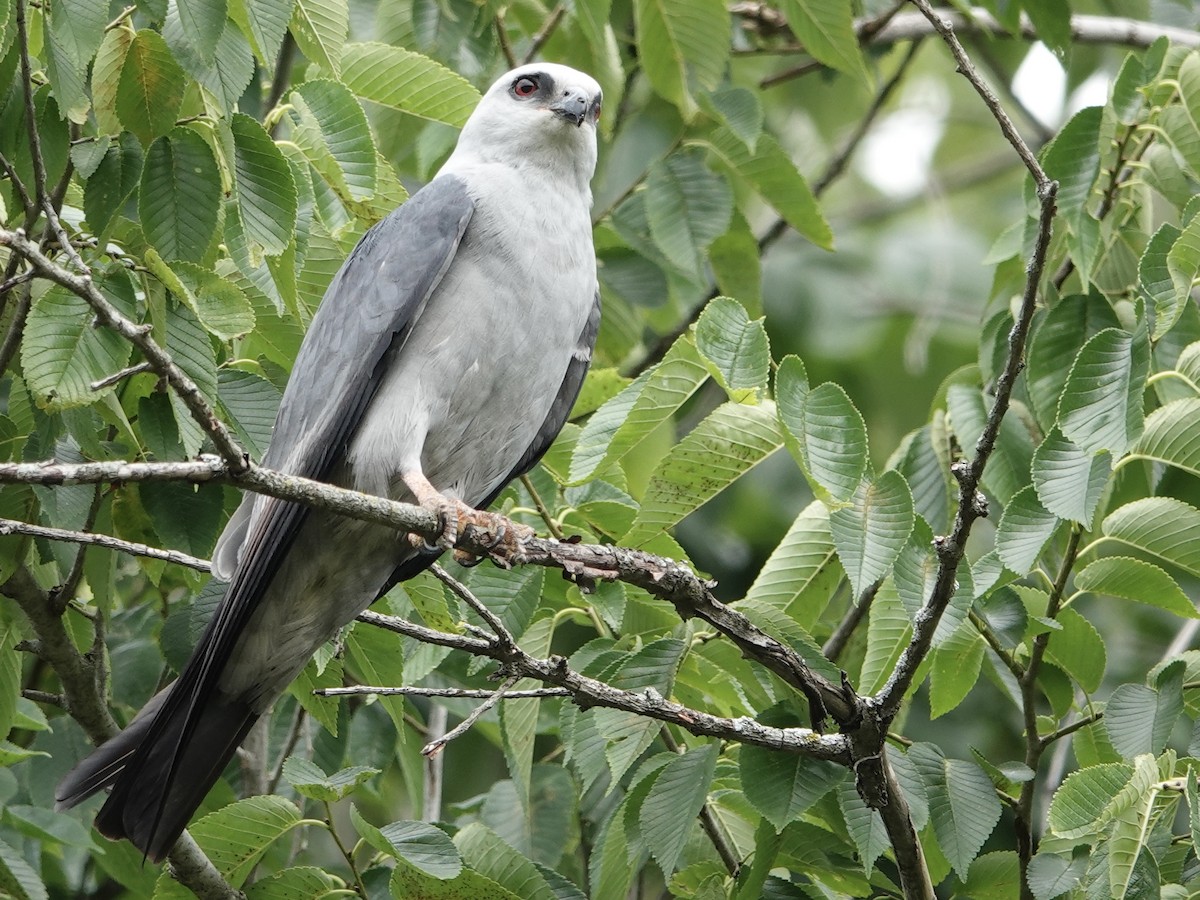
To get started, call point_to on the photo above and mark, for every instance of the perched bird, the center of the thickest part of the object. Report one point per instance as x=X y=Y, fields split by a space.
x=442 y=362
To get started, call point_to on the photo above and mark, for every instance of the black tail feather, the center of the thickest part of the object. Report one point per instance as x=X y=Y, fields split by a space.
x=158 y=784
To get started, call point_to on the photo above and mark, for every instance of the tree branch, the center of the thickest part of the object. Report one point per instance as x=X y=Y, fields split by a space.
x=438 y=744
x=665 y=578
x=971 y=503
x=138 y=335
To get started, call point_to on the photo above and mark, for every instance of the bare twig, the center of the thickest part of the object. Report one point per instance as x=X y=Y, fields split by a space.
x=435 y=767
x=543 y=33
x=542 y=508
x=502 y=39
x=11 y=526
x=845 y=629
x=456 y=693
x=464 y=593
x=115 y=377
x=437 y=745
x=589 y=692
x=971 y=506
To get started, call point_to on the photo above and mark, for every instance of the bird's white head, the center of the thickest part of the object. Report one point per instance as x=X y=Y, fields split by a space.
x=541 y=116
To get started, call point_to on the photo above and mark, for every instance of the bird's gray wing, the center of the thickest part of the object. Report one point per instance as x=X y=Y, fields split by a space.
x=367 y=312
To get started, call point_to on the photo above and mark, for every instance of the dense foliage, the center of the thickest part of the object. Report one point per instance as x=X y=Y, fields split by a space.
x=213 y=161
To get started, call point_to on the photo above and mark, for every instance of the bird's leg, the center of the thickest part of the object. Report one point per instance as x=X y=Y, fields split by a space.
x=456 y=516
x=446 y=508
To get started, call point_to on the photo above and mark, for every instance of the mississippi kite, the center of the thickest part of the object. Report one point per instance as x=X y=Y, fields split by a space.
x=441 y=364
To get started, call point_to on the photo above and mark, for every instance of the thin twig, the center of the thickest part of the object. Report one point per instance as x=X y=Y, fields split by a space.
x=1068 y=730
x=45 y=697
x=464 y=593
x=435 y=767
x=543 y=33
x=457 y=693
x=65 y=592
x=850 y=621
x=12 y=526
x=289 y=745
x=971 y=504
x=502 y=40
x=542 y=508
x=27 y=203
x=121 y=376
x=437 y=745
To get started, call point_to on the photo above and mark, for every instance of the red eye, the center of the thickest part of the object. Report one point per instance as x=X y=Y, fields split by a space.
x=525 y=86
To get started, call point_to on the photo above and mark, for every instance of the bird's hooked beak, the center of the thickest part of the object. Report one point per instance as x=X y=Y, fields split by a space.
x=572 y=106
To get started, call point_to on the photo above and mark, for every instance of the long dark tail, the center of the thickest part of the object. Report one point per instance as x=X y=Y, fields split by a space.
x=159 y=775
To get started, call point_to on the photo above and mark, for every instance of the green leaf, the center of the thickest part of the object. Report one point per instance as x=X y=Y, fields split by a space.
x=994 y=876
x=956 y=666
x=801 y=573
x=963 y=806
x=737 y=108
x=106 y=77
x=771 y=173
x=249 y=403
x=782 y=786
x=682 y=44
x=1101 y=406
x=888 y=630
x=736 y=347
x=266 y=21
x=830 y=434
x=1025 y=527
x=195 y=530
x=628 y=418
x=10 y=678
x=312 y=678
x=320 y=28
x=266 y=191
x=671 y=807
x=864 y=824
x=1059 y=336
x=870 y=533
x=1051 y=876
x=190 y=347
x=687 y=207
x=1139 y=719
x=151 y=87
x=519 y=725
x=180 y=197
x=1068 y=479
x=826 y=29
x=62 y=353
x=236 y=836
x=331 y=128
x=408 y=81
x=1073 y=160
x=1137 y=580
x=309 y=781
x=219 y=304
x=376 y=657
x=1082 y=799
x=17 y=877
x=1052 y=20
x=1183 y=266
x=419 y=844
x=226 y=75
x=1162 y=526
x=1008 y=468
x=1078 y=648
x=731 y=441
x=486 y=854
x=203 y=21
x=72 y=35
x=297 y=883
x=1155 y=281
x=109 y=187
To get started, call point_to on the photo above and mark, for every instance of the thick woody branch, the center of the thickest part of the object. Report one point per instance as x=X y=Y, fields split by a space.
x=664 y=578
x=588 y=692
